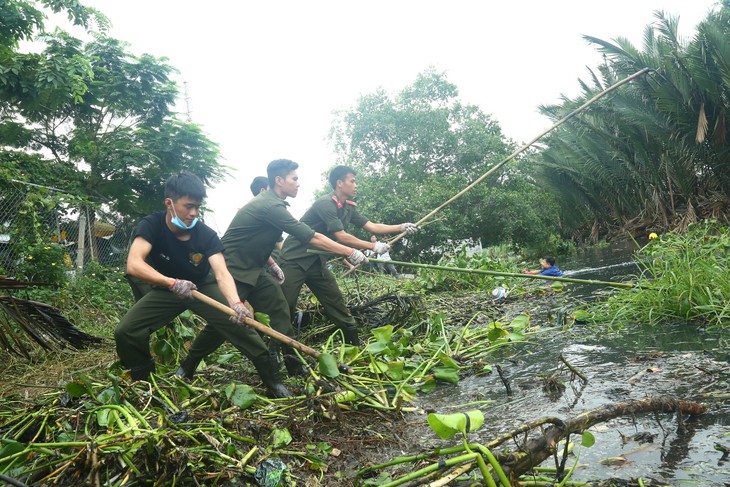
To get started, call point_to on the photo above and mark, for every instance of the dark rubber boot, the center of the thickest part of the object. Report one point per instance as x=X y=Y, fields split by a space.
x=187 y=367
x=270 y=376
x=143 y=372
x=350 y=333
x=294 y=366
x=274 y=353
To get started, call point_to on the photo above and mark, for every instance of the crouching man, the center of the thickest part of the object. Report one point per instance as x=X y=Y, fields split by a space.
x=177 y=254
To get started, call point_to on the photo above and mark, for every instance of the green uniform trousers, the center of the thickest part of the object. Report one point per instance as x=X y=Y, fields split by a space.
x=323 y=285
x=265 y=297
x=159 y=306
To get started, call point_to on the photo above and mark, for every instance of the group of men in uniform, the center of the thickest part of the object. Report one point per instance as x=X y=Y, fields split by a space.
x=177 y=255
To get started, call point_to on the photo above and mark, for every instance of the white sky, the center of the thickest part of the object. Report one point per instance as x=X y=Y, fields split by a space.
x=264 y=77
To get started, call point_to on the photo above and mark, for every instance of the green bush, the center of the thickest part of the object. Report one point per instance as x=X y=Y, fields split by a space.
x=44 y=262
x=95 y=299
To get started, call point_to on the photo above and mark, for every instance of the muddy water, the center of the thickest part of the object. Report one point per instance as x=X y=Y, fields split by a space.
x=676 y=360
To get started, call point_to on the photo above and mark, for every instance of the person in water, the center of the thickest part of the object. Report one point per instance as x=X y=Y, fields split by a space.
x=547 y=268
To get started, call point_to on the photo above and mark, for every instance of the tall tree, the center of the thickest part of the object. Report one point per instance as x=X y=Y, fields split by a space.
x=100 y=116
x=415 y=150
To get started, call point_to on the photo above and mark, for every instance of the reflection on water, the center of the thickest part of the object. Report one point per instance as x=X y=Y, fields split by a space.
x=676 y=360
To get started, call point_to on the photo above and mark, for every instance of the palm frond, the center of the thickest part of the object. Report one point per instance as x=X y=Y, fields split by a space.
x=42 y=323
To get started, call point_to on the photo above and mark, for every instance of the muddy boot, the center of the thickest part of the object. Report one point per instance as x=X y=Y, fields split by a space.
x=187 y=367
x=142 y=372
x=294 y=365
x=350 y=333
x=270 y=376
x=274 y=353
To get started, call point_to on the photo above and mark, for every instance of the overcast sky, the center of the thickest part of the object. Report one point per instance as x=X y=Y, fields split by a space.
x=264 y=77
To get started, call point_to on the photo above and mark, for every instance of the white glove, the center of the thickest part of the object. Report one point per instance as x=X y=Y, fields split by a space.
x=276 y=271
x=408 y=228
x=242 y=312
x=380 y=247
x=183 y=289
x=357 y=258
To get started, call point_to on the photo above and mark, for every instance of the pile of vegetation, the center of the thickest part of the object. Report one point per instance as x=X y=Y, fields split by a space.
x=100 y=428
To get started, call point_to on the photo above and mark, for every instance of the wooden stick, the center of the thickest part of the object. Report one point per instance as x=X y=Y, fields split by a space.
x=503 y=379
x=266 y=330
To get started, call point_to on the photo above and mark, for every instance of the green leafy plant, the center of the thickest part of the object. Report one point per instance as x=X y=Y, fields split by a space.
x=684 y=278
x=497 y=259
x=44 y=263
x=240 y=395
x=447 y=425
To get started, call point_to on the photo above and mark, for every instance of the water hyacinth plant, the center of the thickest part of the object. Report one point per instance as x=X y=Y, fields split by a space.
x=685 y=278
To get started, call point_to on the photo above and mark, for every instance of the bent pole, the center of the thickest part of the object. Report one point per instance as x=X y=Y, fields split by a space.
x=266 y=330
x=525 y=147
x=625 y=285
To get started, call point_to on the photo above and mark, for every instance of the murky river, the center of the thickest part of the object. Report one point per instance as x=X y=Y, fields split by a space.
x=675 y=360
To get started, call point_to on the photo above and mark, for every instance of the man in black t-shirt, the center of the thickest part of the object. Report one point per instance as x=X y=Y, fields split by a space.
x=177 y=254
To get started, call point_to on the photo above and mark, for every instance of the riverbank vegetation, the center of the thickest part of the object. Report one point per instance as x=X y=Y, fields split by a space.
x=652 y=156
x=683 y=278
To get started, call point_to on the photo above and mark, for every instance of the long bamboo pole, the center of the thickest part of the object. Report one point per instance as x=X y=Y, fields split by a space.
x=625 y=285
x=526 y=146
x=594 y=282
x=519 y=151
x=260 y=327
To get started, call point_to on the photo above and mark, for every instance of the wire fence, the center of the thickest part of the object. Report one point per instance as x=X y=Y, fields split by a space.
x=33 y=215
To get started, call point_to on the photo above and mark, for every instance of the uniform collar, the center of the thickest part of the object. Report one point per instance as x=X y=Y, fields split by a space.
x=275 y=196
x=339 y=205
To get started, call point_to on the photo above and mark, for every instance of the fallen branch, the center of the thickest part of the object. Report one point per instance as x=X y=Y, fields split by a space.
x=539 y=449
x=573 y=369
x=528 y=454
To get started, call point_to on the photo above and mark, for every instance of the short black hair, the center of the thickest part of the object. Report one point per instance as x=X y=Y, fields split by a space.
x=259 y=183
x=549 y=259
x=340 y=173
x=184 y=184
x=280 y=167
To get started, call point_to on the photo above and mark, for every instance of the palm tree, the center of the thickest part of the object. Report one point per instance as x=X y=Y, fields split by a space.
x=655 y=153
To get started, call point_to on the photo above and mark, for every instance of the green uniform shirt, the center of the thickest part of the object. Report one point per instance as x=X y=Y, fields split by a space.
x=253 y=233
x=327 y=216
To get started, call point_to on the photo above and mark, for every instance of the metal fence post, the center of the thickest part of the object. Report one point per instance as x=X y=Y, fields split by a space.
x=81 y=242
